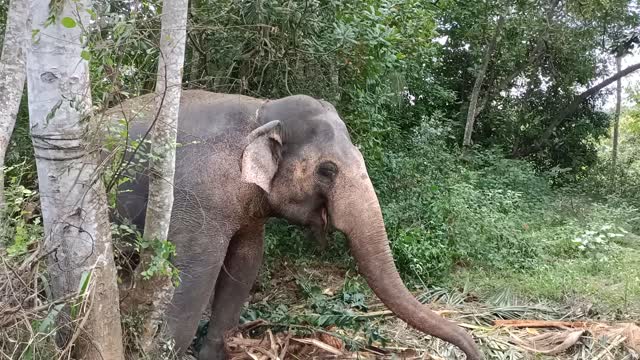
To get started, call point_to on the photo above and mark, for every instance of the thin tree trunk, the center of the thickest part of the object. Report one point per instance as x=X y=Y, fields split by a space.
x=533 y=58
x=475 y=94
x=196 y=53
x=195 y=74
x=571 y=108
x=12 y=78
x=156 y=293
x=335 y=82
x=616 y=121
x=73 y=200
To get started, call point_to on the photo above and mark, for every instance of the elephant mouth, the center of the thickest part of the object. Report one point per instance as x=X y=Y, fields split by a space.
x=324 y=216
x=320 y=227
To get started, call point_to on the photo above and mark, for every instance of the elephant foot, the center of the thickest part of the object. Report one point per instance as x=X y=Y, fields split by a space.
x=213 y=350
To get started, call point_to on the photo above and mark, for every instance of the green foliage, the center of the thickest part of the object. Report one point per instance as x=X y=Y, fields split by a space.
x=345 y=309
x=619 y=184
x=443 y=208
x=22 y=226
x=83 y=286
x=160 y=263
x=20 y=150
x=161 y=252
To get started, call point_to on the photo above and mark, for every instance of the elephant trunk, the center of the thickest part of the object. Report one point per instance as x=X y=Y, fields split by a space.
x=355 y=211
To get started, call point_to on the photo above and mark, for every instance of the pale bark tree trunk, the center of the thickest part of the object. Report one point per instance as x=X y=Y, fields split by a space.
x=12 y=78
x=158 y=290
x=73 y=200
x=477 y=86
x=616 y=121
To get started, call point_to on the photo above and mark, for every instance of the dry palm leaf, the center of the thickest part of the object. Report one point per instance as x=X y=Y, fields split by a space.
x=319 y=344
x=550 y=343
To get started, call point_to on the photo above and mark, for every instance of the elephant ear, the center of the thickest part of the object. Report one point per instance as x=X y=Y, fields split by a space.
x=262 y=154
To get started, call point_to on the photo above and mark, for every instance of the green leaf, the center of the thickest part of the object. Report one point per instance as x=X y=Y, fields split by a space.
x=85 y=55
x=93 y=14
x=28 y=354
x=84 y=282
x=47 y=324
x=51 y=114
x=68 y=22
x=85 y=279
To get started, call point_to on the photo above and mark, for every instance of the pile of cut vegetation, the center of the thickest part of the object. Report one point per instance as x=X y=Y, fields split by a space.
x=320 y=310
x=528 y=332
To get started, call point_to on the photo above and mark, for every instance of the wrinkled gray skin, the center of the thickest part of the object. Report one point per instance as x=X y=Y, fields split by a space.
x=252 y=159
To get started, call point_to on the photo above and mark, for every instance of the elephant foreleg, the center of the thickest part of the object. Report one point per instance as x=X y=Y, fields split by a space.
x=241 y=266
x=201 y=258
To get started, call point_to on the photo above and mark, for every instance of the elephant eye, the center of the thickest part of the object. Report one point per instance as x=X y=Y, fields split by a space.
x=327 y=171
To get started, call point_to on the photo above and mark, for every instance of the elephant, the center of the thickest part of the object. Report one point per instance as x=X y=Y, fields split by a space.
x=240 y=161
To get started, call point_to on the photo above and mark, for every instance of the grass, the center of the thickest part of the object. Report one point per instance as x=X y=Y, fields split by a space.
x=602 y=289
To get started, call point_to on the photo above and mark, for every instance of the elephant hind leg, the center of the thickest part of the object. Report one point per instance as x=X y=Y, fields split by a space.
x=199 y=265
x=241 y=266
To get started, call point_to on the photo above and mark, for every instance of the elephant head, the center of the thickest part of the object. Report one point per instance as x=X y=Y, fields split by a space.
x=302 y=157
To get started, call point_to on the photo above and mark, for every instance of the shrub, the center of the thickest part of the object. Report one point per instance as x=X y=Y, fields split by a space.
x=22 y=226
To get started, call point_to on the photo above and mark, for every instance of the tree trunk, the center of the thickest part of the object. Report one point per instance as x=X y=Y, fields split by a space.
x=473 y=102
x=335 y=82
x=12 y=78
x=156 y=293
x=73 y=200
x=533 y=59
x=616 y=121
x=571 y=108
x=195 y=71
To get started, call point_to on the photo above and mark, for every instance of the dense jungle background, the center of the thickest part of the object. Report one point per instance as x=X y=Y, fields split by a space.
x=532 y=220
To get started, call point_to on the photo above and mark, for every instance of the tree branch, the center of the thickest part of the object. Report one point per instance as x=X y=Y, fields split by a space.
x=571 y=108
x=533 y=58
x=473 y=101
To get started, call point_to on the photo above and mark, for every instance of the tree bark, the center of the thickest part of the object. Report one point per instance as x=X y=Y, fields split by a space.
x=335 y=82
x=73 y=200
x=195 y=71
x=156 y=293
x=571 y=108
x=473 y=102
x=616 y=121
x=12 y=78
